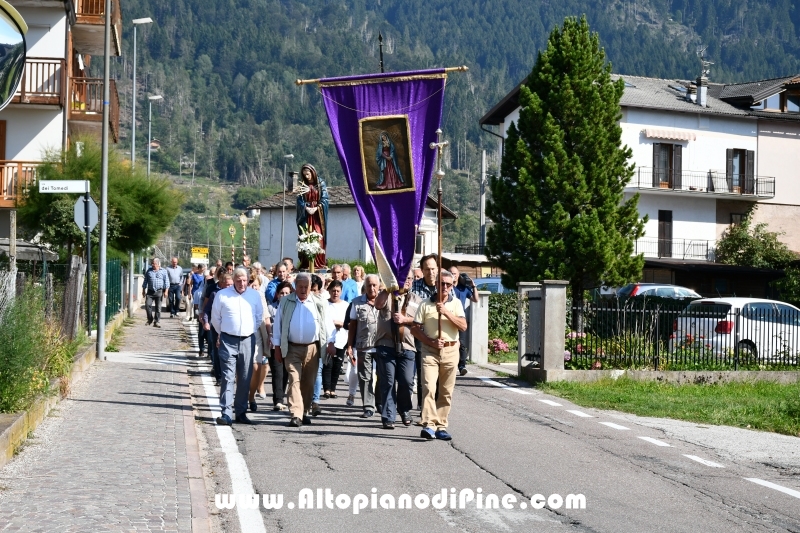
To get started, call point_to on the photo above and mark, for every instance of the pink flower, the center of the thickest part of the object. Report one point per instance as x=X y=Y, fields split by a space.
x=579 y=348
x=567 y=355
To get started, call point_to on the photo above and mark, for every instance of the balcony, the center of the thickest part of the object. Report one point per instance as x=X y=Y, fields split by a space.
x=43 y=82
x=88 y=33
x=86 y=107
x=711 y=182
x=696 y=249
x=15 y=178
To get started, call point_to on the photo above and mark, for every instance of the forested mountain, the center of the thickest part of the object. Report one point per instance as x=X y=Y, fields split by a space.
x=228 y=67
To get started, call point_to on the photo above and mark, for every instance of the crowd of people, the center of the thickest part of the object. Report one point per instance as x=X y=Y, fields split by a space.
x=307 y=331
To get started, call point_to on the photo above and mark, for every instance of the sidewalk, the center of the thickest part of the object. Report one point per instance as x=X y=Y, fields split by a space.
x=120 y=454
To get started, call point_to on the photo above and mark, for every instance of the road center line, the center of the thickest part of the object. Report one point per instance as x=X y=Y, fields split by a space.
x=785 y=490
x=579 y=413
x=615 y=426
x=704 y=461
x=502 y=386
x=657 y=442
x=551 y=402
x=250 y=520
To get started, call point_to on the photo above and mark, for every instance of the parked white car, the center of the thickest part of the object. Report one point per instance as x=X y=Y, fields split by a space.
x=493 y=285
x=766 y=330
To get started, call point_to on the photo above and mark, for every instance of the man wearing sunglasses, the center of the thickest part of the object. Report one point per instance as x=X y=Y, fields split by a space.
x=439 y=355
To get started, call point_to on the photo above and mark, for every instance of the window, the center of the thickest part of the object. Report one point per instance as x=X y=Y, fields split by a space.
x=737 y=218
x=667 y=165
x=793 y=103
x=740 y=171
x=419 y=247
x=773 y=103
x=664 y=233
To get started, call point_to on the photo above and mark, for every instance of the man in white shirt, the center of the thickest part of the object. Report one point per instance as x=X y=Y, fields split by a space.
x=236 y=314
x=302 y=333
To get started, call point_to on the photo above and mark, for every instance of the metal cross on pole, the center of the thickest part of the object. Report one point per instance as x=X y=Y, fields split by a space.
x=439 y=147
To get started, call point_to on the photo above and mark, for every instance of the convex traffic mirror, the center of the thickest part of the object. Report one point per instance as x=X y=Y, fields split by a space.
x=12 y=51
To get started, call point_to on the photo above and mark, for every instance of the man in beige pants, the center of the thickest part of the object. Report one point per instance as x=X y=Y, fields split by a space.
x=303 y=334
x=439 y=355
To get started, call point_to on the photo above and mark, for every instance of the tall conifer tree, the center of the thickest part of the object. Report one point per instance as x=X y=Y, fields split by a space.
x=558 y=206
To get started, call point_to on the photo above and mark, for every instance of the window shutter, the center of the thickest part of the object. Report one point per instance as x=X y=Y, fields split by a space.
x=677 y=169
x=656 y=162
x=2 y=140
x=729 y=168
x=750 y=178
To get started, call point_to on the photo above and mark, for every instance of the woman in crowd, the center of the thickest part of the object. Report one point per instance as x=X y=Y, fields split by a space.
x=358 y=276
x=280 y=377
x=261 y=347
x=337 y=308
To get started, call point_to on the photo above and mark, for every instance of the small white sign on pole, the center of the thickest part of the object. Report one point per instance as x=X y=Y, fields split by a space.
x=64 y=186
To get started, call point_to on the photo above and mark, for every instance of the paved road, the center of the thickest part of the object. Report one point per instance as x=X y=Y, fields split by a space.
x=637 y=474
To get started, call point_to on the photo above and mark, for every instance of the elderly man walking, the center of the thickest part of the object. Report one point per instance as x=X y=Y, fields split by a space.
x=236 y=314
x=302 y=333
x=175 y=275
x=153 y=287
x=362 y=333
x=439 y=355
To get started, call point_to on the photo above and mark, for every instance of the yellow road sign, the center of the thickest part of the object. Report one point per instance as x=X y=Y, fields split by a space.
x=199 y=251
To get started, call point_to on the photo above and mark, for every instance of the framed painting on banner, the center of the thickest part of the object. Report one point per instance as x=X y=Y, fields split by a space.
x=386 y=154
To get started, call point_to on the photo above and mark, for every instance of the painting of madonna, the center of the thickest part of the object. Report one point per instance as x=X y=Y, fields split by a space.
x=386 y=155
x=390 y=176
x=312 y=209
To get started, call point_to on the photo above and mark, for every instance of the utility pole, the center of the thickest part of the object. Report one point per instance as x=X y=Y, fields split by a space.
x=101 y=277
x=482 y=238
x=283 y=204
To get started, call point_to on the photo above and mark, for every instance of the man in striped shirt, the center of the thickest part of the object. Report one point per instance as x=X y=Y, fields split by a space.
x=155 y=284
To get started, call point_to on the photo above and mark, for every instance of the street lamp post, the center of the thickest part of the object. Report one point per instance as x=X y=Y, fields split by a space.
x=194 y=157
x=150 y=129
x=136 y=22
x=283 y=204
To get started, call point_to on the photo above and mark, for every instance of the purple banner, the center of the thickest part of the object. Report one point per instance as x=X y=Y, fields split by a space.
x=382 y=126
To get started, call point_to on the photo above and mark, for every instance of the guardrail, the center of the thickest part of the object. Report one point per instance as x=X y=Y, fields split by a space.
x=704 y=182
x=86 y=102
x=43 y=82
x=15 y=178
x=93 y=12
x=675 y=248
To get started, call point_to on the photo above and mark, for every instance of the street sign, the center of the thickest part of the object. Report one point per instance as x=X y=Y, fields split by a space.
x=199 y=251
x=198 y=260
x=80 y=214
x=63 y=186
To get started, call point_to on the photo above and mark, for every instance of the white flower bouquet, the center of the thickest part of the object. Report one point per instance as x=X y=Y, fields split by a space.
x=308 y=243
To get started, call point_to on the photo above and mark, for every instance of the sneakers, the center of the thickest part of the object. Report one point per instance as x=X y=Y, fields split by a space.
x=279 y=407
x=224 y=420
x=427 y=433
x=388 y=425
x=156 y=325
x=463 y=371
x=443 y=435
x=350 y=401
x=368 y=414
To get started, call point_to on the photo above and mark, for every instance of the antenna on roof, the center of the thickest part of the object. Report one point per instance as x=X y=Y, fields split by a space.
x=704 y=64
x=702 y=79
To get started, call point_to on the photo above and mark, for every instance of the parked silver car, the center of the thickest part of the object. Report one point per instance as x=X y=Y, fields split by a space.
x=493 y=285
x=656 y=289
x=761 y=329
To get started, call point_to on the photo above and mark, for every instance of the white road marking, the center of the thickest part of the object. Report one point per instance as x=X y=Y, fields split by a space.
x=657 y=442
x=704 y=461
x=551 y=402
x=579 y=413
x=790 y=492
x=502 y=386
x=250 y=520
x=615 y=426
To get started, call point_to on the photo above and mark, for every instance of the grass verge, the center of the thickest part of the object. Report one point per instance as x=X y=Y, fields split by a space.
x=764 y=406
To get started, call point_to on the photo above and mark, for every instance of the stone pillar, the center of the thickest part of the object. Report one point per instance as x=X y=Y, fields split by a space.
x=525 y=342
x=555 y=317
x=543 y=358
x=478 y=331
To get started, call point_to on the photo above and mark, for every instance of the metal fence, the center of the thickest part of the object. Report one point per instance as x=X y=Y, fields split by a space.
x=676 y=336
x=114 y=288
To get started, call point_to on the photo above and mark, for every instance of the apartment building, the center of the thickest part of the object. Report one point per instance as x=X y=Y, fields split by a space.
x=56 y=99
x=705 y=153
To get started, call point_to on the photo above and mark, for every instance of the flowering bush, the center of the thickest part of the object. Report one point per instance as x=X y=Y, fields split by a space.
x=308 y=242
x=498 y=346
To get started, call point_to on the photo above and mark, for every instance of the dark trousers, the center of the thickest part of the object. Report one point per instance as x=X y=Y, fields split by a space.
x=174 y=299
x=202 y=337
x=216 y=368
x=395 y=367
x=152 y=305
x=280 y=378
x=332 y=370
x=462 y=349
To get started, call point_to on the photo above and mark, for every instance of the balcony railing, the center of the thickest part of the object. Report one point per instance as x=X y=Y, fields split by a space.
x=675 y=248
x=704 y=182
x=43 y=82
x=86 y=103
x=473 y=248
x=15 y=178
x=92 y=12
